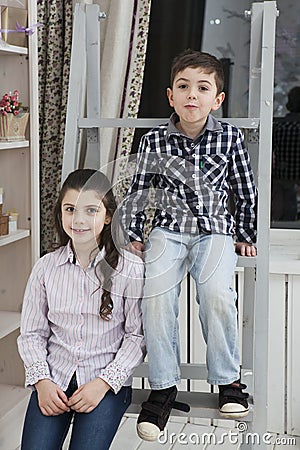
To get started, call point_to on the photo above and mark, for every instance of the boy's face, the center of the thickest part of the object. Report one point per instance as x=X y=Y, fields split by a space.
x=194 y=95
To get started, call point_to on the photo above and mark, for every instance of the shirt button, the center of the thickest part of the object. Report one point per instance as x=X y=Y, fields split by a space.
x=193 y=176
x=196 y=192
x=198 y=207
x=192 y=145
x=194 y=155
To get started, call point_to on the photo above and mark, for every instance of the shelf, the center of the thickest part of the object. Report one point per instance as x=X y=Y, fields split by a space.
x=13 y=237
x=9 y=322
x=10 y=397
x=12 y=145
x=14 y=400
x=12 y=49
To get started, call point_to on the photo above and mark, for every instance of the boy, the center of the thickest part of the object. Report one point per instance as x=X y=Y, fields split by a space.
x=192 y=162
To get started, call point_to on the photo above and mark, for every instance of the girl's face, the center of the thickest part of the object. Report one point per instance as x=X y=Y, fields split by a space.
x=83 y=217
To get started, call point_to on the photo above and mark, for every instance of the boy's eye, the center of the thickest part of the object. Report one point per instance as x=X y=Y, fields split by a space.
x=182 y=86
x=203 y=88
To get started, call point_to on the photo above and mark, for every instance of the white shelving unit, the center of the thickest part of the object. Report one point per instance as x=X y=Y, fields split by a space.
x=19 y=176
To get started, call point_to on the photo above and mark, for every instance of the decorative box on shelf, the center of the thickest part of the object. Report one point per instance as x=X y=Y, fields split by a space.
x=12 y=220
x=12 y=128
x=13 y=118
x=3 y=225
x=11 y=18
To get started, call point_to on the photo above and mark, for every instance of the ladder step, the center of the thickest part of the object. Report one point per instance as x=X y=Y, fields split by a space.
x=247 y=123
x=203 y=405
x=188 y=371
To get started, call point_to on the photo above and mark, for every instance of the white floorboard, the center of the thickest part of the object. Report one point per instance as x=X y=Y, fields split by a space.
x=187 y=436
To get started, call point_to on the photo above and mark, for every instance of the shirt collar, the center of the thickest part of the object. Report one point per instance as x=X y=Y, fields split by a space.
x=212 y=124
x=67 y=255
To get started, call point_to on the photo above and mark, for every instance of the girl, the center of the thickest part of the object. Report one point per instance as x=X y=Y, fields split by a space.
x=81 y=329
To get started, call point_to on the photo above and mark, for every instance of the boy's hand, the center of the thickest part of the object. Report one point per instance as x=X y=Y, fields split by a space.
x=245 y=249
x=88 y=396
x=136 y=247
x=52 y=400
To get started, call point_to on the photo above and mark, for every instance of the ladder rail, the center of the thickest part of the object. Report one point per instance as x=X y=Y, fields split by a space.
x=261 y=312
x=76 y=92
x=93 y=55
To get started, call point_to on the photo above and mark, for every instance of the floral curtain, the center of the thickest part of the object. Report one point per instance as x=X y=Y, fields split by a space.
x=55 y=38
x=124 y=34
x=54 y=62
x=132 y=92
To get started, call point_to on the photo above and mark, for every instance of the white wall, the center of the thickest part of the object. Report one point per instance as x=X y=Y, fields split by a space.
x=231 y=39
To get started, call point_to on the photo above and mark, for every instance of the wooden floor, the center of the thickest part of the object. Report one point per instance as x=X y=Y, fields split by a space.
x=180 y=435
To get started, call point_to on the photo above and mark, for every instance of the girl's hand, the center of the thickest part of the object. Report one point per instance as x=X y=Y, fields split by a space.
x=52 y=400
x=88 y=396
x=245 y=249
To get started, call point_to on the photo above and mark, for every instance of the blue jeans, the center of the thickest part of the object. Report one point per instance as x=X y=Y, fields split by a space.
x=211 y=261
x=92 y=431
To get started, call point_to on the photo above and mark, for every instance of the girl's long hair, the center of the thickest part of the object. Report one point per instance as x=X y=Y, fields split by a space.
x=93 y=180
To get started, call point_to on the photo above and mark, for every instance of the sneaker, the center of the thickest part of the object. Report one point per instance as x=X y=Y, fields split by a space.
x=233 y=402
x=156 y=412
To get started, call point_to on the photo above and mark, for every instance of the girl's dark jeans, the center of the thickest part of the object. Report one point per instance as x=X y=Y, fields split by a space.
x=92 y=431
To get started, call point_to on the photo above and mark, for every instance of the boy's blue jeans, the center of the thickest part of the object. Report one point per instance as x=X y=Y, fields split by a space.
x=92 y=431
x=211 y=261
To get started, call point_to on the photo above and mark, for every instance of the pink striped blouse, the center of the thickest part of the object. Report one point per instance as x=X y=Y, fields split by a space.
x=61 y=329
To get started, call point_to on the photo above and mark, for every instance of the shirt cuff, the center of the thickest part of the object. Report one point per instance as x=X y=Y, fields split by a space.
x=36 y=372
x=115 y=375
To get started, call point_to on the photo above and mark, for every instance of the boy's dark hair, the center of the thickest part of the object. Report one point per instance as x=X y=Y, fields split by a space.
x=205 y=61
x=94 y=180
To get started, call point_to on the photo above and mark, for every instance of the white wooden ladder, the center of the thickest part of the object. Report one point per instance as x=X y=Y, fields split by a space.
x=83 y=113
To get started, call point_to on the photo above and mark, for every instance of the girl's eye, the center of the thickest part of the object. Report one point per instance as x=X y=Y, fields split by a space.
x=182 y=86
x=92 y=210
x=203 y=88
x=70 y=209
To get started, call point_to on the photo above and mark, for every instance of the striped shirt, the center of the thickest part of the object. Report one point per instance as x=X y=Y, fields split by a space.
x=192 y=179
x=61 y=329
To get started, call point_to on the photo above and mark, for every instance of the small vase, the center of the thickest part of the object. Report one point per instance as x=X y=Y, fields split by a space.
x=12 y=128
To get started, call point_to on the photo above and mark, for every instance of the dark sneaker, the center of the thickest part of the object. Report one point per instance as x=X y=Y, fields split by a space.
x=233 y=402
x=156 y=412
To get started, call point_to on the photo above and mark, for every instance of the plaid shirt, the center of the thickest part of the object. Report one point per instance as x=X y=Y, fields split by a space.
x=286 y=145
x=192 y=179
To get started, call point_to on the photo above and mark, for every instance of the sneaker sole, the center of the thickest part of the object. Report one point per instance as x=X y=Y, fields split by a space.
x=234 y=415
x=149 y=435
